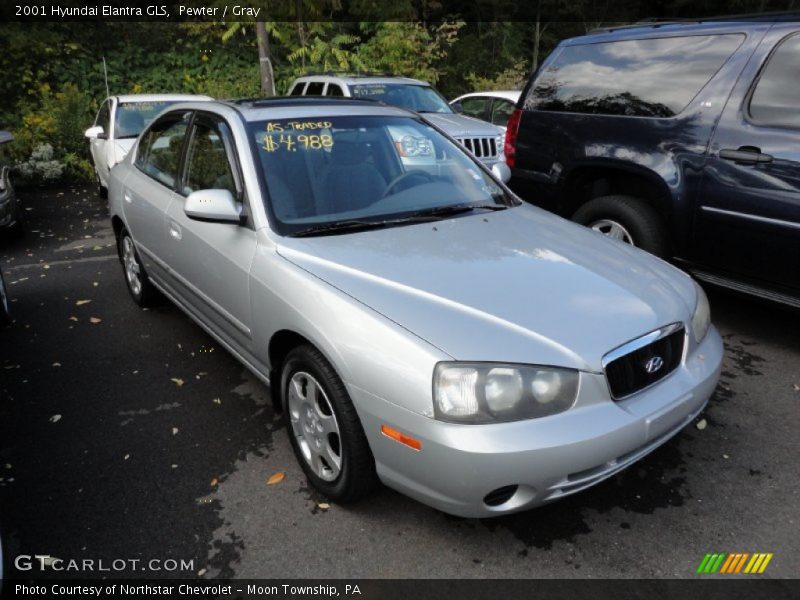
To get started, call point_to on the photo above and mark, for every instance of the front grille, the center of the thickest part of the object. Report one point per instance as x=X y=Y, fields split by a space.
x=481 y=147
x=628 y=373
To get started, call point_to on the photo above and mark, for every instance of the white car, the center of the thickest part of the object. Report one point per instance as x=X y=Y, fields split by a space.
x=494 y=107
x=119 y=122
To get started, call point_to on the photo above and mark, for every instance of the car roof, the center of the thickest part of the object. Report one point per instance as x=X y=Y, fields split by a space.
x=512 y=95
x=356 y=79
x=132 y=98
x=298 y=107
x=5 y=137
x=673 y=28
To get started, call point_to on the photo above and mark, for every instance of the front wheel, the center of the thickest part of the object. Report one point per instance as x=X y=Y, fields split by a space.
x=324 y=429
x=142 y=291
x=628 y=219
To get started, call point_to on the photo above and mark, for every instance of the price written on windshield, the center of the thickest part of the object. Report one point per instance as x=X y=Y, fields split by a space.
x=290 y=143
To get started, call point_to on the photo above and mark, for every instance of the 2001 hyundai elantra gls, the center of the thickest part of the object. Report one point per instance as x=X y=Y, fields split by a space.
x=418 y=324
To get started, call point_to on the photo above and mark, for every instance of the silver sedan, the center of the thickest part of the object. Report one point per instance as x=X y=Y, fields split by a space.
x=418 y=325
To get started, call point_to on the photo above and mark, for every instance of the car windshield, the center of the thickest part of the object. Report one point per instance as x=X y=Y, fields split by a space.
x=366 y=170
x=133 y=117
x=419 y=98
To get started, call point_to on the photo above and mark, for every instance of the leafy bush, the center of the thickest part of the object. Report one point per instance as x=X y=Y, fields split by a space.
x=41 y=166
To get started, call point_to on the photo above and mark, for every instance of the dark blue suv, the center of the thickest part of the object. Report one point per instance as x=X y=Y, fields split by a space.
x=680 y=138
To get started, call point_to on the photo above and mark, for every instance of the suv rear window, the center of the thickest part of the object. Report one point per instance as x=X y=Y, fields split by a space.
x=655 y=77
x=776 y=98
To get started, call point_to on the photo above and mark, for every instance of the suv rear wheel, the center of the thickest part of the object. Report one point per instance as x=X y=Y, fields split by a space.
x=625 y=218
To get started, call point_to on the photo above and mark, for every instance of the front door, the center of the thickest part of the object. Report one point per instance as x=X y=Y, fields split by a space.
x=99 y=146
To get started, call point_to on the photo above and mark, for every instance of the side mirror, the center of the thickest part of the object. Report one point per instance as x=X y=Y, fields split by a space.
x=95 y=132
x=218 y=206
x=456 y=106
x=501 y=171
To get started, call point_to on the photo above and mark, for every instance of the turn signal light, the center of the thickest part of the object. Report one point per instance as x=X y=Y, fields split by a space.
x=404 y=439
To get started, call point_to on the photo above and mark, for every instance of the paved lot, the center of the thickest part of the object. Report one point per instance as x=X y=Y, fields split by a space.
x=138 y=437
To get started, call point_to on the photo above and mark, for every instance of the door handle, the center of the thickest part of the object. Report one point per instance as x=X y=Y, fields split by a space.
x=746 y=155
x=175 y=231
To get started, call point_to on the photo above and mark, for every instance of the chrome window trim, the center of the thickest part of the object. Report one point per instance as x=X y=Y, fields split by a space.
x=640 y=342
x=749 y=217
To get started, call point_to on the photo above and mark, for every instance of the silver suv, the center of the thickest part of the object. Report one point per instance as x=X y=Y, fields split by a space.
x=483 y=139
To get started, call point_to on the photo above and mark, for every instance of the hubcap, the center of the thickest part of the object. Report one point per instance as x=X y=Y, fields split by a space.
x=314 y=426
x=613 y=229
x=132 y=269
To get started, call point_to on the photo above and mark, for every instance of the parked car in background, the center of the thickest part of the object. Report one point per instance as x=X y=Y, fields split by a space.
x=419 y=326
x=680 y=138
x=11 y=216
x=118 y=123
x=494 y=107
x=485 y=141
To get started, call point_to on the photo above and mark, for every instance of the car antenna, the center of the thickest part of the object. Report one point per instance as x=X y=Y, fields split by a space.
x=105 y=72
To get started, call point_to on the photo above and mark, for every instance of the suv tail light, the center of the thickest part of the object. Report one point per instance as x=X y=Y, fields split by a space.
x=512 y=129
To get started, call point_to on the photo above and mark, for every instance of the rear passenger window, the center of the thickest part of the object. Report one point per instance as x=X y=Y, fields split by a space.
x=776 y=98
x=501 y=111
x=160 y=148
x=314 y=88
x=335 y=89
x=655 y=77
x=208 y=166
x=297 y=90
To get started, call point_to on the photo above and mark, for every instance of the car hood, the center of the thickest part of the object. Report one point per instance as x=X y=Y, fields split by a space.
x=519 y=285
x=458 y=125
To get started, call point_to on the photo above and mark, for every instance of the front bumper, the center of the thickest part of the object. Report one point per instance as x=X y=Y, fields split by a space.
x=548 y=458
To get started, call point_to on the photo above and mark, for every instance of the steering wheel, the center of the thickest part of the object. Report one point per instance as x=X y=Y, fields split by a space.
x=407 y=175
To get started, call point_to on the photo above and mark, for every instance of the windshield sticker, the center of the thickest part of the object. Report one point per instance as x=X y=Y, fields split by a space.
x=369 y=90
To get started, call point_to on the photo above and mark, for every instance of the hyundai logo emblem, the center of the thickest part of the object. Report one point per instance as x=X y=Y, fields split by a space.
x=654 y=364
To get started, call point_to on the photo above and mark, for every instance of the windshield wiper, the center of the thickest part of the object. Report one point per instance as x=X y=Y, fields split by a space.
x=420 y=216
x=339 y=227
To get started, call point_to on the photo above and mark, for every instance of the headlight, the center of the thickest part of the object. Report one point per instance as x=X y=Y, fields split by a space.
x=490 y=393
x=412 y=146
x=701 y=319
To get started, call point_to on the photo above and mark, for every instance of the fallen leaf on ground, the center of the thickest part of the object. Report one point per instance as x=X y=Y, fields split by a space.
x=324 y=505
x=217 y=401
x=56 y=364
x=55 y=418
x=214 y=482
x=725 y=456
x=276 y=478
x=796 y=387
x=701 y=424
x=201 y=572
x=95 y=320
x=174 y=431
x=178 y=381
x=82 y=302
x=73 y=318
x=126 y=457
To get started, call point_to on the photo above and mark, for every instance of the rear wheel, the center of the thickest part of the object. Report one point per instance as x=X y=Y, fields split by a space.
x=628 y=219
x=324 y=429
x=142 y=291
x=5 y=312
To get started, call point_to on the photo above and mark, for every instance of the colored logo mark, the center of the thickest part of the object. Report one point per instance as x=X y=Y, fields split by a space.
x=735 y=562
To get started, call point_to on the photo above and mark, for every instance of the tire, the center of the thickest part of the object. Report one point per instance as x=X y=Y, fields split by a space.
x=627 y=218
x=102 y=191
x=141 y=290
x=321 y=420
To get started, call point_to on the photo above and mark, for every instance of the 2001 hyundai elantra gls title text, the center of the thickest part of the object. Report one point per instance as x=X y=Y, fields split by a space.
x=418 y=324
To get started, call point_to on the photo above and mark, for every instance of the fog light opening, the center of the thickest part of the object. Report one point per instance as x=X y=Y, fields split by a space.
x=500 y=496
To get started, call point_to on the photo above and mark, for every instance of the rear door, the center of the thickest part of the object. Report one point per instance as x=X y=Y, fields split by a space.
x=748 y=209
x=150 y=188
